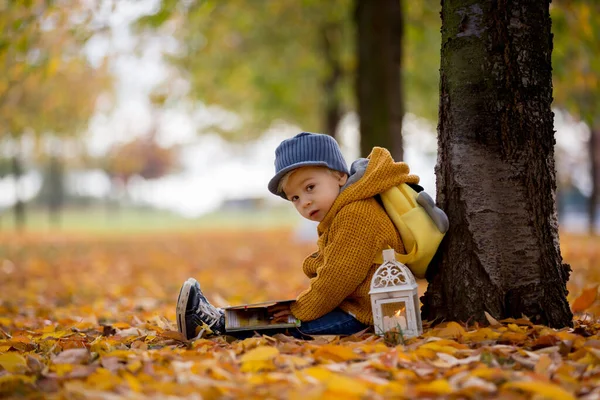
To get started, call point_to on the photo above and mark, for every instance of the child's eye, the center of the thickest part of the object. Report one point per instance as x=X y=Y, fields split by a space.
x=310 y=187
x=294 y=199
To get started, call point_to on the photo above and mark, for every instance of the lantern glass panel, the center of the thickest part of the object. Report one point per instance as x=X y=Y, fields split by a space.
x=394 y=316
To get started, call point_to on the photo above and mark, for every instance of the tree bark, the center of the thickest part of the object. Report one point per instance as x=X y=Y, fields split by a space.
x=331 y=36
x=19 y=208
x=495 y=171
x=594 y=152
x=56 y=193
x=380 y=107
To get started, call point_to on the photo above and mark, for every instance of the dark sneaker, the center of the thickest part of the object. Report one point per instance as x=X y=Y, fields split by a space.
x=193 y=311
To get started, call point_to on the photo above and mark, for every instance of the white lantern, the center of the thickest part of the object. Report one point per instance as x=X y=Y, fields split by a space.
x=395 y=299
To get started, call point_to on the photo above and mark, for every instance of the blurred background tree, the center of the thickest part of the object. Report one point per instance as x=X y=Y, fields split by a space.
x=47 y=84
x=267 y=61
x=576 y=77
x=262 y=64
x=296 y=61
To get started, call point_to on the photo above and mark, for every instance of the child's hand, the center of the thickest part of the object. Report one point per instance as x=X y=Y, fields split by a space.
x=281 y=314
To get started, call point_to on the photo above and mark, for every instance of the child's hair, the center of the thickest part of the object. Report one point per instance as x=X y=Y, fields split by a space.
x=286 y=177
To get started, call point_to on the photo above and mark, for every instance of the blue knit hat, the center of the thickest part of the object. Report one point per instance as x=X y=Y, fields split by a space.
x=305 y=150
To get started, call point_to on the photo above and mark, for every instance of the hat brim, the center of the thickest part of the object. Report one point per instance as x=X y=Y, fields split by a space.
x=274 y=182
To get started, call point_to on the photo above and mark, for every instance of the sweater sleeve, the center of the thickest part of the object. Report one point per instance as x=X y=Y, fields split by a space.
x=347 y=259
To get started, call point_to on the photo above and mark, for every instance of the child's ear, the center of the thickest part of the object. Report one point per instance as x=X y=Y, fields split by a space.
x=343 y=179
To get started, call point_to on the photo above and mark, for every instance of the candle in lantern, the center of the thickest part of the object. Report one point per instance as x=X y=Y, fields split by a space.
x=394 y=322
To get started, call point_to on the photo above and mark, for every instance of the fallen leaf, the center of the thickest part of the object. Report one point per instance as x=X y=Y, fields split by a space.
x=547 y=390
x=259 y=359
x=336 y=383
x=72 y=356
x=438 y=387
x=451 y=331
x=13 y=362
x=543 y=364
x=585 y=299
x=335 y=353
x=491 y=320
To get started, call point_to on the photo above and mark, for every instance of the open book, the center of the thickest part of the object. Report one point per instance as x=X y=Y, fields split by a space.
x=249 y=317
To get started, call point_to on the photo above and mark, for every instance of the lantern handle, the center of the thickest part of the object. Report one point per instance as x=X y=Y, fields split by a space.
x=389 y=255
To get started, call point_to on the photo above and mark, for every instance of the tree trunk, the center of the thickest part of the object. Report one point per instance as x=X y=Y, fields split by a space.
x=380 y=107
x=331 y=37
x=56 y=190
x=19 y=209
x=495 y=171
x=594 y=151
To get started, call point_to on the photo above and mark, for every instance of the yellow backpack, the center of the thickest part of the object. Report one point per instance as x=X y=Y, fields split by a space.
x=421 y=224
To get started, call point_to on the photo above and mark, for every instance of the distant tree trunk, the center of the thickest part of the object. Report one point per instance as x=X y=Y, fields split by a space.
x=495 y=172
x=380 y=107
x=56 y=190
x=331 y=38
x=19 y=208
x=594 y=151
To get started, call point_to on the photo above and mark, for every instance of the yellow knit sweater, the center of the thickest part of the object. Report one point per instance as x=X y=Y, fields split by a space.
x=355 y=230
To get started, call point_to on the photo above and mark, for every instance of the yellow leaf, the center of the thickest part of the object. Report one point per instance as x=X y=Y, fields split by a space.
x=490 y=374
x=13 y=362
x=516 y=328
x=8 y=379
x=452 y=330
x=133 y=383
x=547 y=390
x=62 y=369
x=134 y=366
x=335 y=353
x=260 y=353
x=585 y=299
x=258 y=366
x=481 y=335
x=439 y=386
x=56 y=334
x=438 y=348
x=259 y=359
x=337 y=384
x=103 y=379
x=298 y=362
x=424 y=353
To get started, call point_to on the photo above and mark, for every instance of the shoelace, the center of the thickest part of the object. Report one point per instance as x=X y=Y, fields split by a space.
x=209 y=311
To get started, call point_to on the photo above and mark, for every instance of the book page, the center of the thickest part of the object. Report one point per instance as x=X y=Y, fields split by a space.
x=259 y=316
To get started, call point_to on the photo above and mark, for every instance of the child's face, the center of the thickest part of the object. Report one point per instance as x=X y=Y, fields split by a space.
x=312 y=190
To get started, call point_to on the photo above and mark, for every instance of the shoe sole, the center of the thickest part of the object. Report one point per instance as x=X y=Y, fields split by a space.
x=182 y=301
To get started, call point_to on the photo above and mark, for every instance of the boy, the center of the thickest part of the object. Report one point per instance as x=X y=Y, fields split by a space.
x=353 y=230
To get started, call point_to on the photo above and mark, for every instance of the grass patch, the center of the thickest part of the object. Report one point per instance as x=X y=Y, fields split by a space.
x=132 y=220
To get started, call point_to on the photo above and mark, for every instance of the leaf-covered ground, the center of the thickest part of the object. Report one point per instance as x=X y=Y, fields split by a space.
x=93 y=318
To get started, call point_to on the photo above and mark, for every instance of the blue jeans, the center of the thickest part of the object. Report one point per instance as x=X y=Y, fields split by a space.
x=336 y=322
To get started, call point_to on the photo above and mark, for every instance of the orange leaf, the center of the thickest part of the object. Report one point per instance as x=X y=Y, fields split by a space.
x=585 y=299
